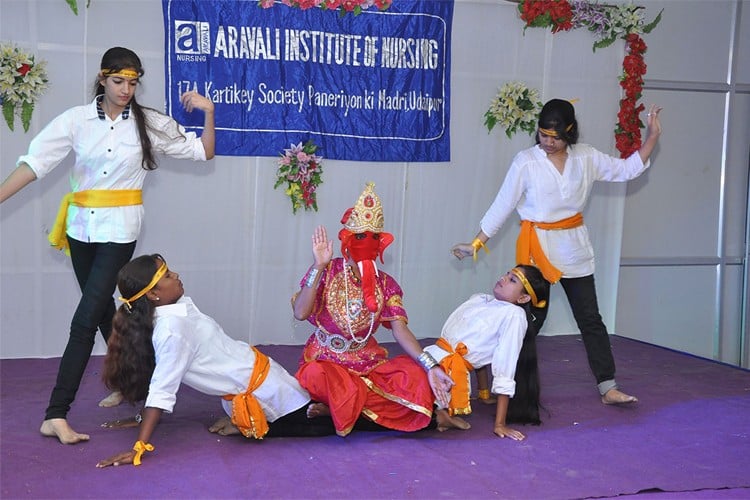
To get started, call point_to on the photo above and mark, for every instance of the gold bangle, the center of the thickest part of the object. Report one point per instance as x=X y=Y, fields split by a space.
x=484 y=394
x=476 y=245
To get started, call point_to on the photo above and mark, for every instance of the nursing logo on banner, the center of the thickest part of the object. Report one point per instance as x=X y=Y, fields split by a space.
x=374 y=86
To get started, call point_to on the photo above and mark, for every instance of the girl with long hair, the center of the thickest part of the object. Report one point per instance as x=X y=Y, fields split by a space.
x=498 y=331
x=161 y=340
x=115 y=141
x=549 y=185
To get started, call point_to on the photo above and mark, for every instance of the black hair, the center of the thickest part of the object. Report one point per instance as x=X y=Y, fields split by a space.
x=130 y=359
x=113 y=61
x=524 y=406
x=560 y=116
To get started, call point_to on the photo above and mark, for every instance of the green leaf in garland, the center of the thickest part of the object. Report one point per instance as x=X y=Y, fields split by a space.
x=489 y=121
x=8 y=112
x=26 y=109
x=600 y=44
x=650 y=26
x=73 y=6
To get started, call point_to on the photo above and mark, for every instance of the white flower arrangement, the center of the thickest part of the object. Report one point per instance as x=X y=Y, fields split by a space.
x=611 y=22
x=22 y=81
x=514 y=107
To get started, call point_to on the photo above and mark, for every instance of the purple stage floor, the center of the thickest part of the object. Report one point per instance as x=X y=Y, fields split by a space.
x=688 y=437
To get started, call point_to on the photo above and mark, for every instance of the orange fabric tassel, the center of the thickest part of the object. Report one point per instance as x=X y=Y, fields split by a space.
x=457 y=369
x=247 y=414
x=529 y=250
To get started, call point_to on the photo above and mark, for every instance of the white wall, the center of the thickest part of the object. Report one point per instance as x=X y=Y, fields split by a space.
x=233 y=238
x=684 y=276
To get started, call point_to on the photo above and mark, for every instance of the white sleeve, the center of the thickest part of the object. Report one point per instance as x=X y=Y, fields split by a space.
x=173 y=140
x=505 y=356
x=173 y=358
x=612 y=169
x=51 y=145
x=506 y=200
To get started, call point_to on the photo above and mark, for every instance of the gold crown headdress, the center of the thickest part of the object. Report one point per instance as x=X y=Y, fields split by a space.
x=367 y=213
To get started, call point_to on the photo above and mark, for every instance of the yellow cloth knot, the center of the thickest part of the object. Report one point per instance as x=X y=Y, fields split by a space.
x=457 y=368
x=140 y=448
x=95 y=198
x=529 y=250
x=247 y=413
x=477 y=244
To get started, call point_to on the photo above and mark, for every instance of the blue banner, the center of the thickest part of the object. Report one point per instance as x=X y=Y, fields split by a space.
x=373 y=86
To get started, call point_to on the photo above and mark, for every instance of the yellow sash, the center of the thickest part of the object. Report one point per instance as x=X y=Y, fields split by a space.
x=458 y=369
x=95 y=198
x=529 y=250
x=247 y=414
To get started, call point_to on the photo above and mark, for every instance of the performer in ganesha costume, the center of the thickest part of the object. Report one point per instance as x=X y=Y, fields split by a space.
x=347 y=299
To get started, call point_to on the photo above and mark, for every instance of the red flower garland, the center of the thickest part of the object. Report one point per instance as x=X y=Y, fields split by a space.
x=558 y=15
x=628 y=131
x=540 y=13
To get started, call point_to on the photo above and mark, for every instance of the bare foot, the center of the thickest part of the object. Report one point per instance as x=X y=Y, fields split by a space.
x=59 y=428
x=318 y=410
x=112 y=400
x=224 y=427
x=445 y=422
x=616 y=397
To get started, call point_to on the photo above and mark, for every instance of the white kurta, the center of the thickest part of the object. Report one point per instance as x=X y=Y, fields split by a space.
x=107 y=156
x=493 y=332
x=535 y=188
x=192 y=348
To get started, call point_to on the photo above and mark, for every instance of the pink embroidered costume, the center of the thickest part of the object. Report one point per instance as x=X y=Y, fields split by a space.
x=347 y=300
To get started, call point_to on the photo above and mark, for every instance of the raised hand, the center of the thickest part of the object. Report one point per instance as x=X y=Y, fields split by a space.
x=193 y=100
x=322 y=247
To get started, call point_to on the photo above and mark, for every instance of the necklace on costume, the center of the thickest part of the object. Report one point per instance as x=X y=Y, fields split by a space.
x=354 y=307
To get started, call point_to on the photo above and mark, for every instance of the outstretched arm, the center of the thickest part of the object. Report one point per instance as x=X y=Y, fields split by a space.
x=151 y=417
x=17 y=180
x=193 y=100
x=461 y=250
x=440 y=382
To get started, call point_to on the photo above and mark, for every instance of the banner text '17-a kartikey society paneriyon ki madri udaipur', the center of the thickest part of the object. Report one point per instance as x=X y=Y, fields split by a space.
x=370 y=87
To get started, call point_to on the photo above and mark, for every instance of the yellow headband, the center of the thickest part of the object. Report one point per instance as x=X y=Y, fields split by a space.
x=528 y=288
x=553 y=133
x=157 y=276
x=124 y=73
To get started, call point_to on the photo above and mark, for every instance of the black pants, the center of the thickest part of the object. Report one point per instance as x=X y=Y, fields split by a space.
x=581 y=293
x=96 y=266
x=297 y=424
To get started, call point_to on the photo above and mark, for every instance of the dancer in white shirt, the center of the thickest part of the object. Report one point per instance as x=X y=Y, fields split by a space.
x=161 y=340
x=497 y=331
x=115 y=141
x=549 y=185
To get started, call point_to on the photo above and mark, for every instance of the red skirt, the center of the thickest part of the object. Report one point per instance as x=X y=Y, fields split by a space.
x=395 y=394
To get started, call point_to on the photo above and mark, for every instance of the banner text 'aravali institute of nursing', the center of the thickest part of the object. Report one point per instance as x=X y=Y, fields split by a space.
x=371 y=87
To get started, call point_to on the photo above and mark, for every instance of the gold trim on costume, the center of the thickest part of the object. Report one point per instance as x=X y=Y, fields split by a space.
x=412 y=406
